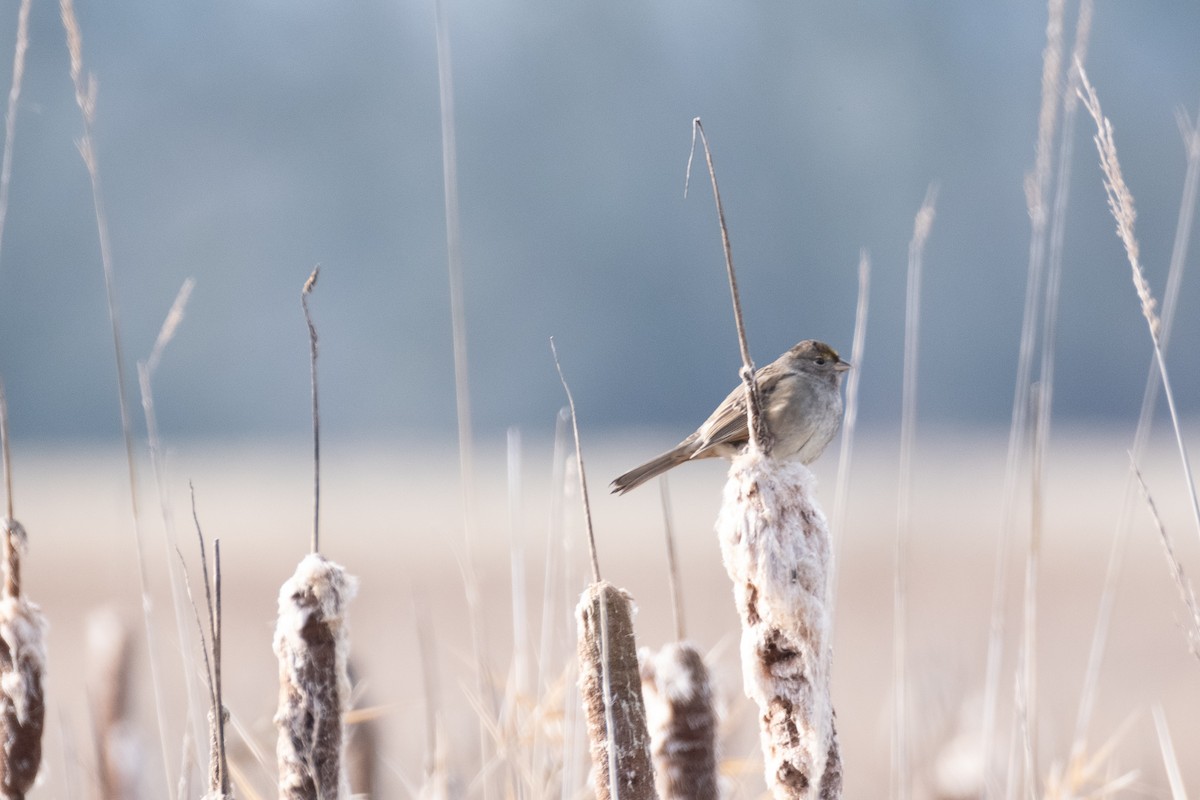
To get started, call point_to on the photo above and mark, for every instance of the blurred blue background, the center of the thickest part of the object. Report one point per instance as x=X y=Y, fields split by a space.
x=243 y=142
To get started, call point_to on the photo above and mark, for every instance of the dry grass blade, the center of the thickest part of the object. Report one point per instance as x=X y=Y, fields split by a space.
x=1170 y=762
x=583 y=490
x=850 y=420
x=901 y=766
x=672 y=562
x=1186 y=593
x=10 y=115
x=146 y=371
x=1120 y=203
x=85 y=98
x=1037 y=187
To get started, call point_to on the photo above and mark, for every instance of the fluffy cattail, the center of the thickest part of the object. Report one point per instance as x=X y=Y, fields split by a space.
x=312 y=644
x=612 y=694
x=22 y=670
x=681 y=721
x=776 y=547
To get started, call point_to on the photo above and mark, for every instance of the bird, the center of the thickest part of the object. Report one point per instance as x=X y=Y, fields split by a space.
x=802 y=404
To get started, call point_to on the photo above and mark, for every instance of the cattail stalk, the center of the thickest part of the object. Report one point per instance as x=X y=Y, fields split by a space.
x=609 y=679
x=776 y=547
x=312 y=644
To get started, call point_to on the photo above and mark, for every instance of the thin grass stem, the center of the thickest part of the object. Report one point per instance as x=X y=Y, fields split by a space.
x=10 y=115
x=849 y=425
x=901 y=756
x=760 y=436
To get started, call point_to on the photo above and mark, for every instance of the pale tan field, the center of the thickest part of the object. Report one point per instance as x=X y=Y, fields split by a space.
x=392 y=516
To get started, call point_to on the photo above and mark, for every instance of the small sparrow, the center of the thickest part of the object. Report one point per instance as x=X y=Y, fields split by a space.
x=802 y=404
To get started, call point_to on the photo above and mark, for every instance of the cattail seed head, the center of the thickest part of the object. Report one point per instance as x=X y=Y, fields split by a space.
x=612 y=692
x=312 y=645
x=776 y=545
x=682 y=722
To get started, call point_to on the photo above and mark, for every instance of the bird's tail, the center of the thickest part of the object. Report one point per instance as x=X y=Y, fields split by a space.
x=655 y=466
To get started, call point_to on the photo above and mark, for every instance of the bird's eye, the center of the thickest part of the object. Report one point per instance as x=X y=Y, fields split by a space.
x=820 y=362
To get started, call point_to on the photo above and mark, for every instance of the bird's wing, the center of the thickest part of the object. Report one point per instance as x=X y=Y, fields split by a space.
x=728 y=423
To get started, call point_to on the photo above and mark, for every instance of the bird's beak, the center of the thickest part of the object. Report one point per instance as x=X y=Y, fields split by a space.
x=842 y=366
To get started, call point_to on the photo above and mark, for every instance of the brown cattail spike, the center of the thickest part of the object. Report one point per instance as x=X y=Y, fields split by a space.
x=612 y=692
x=22 y=670
x=312 y=645
x=682 y=722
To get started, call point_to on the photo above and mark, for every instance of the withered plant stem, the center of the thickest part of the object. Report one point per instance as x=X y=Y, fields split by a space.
x=1037 y=187
x=849 y=422
x=6 y=454
x=1120 y=203
x=10 y=116
x=672 y=562
x=760 y=436
x=309 y=285
x=901 y=756
x=85 y=98
x=1116 y=556
x=583 y=490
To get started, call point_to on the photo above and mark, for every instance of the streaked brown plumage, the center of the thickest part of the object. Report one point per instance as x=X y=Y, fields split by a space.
x=802 y=405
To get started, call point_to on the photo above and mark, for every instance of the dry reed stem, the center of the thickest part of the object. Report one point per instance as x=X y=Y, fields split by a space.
x=901 y=758
x=176 y=570
x=612 y=694
x=672 y=562
x=120 y=761
x=849 y=422
x=1186 y=593
x=1037 y=186
x=312 y=644
x=776 y=547
x=760 y=435
x=1120 y=203
x=583 y=489
x=1170 y=762
x=10 y=115
x=85 y=98
x=1183 y=228
x=682 y=722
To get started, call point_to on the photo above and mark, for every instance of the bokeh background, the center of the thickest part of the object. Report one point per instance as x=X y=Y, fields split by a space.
x=243 y=143
x=240 y=143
